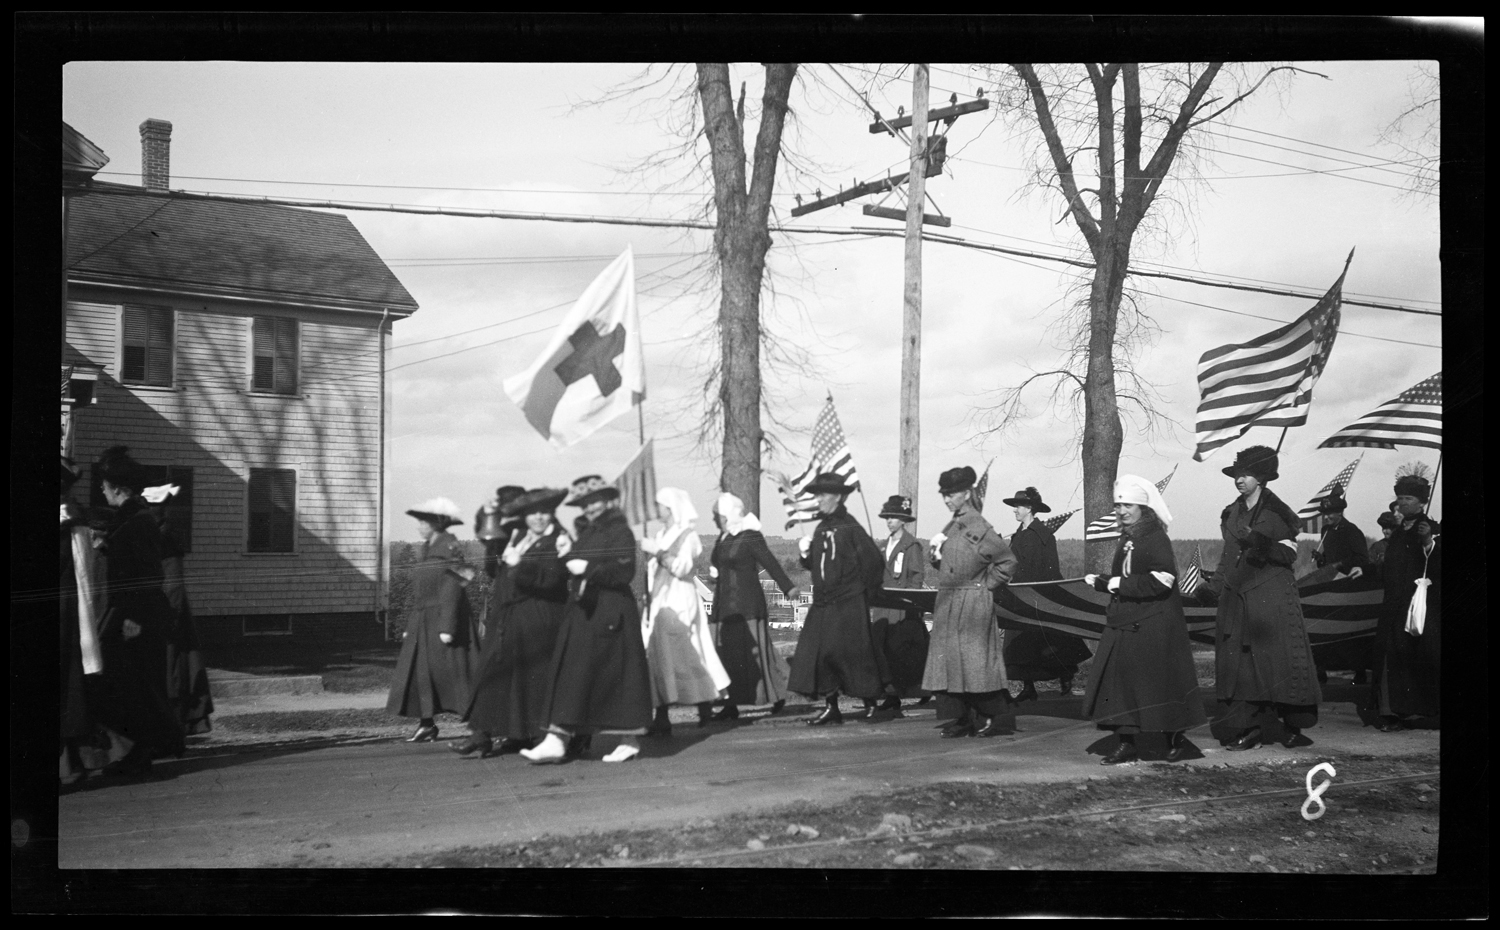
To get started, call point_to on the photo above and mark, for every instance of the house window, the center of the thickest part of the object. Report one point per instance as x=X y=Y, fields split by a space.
x=146 y=346
x=273 y=510
x=176 y=514
x=275 y=355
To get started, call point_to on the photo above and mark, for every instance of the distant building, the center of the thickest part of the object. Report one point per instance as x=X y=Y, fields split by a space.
x=238 y=349
x=780 y=611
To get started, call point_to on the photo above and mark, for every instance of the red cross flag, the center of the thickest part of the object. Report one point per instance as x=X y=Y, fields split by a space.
x=592 y=370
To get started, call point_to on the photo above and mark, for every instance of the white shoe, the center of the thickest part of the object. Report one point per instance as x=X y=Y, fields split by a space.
x=623 y=753
x=551 y=749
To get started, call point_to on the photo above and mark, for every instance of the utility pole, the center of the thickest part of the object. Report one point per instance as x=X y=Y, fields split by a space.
x=911 y=316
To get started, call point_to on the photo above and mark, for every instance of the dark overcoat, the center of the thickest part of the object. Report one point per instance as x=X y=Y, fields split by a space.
x=835 y=651
x=1407 y=682
x=1143 y=676
x=738 y=622
x=514 y=678
x=187 y=673
x=965 y=654
x=135 y=670
x=1343 y=547
x=434 y=677
x=1040 y=655
x=600 y=681
x=1262 y=653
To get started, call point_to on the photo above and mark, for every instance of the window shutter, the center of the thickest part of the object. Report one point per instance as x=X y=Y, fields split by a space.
x=133 y=345
x=275 y=351
x=146 y=346
x=159 y=349
x=273 y=504
x=286 y=356
x=264 y=375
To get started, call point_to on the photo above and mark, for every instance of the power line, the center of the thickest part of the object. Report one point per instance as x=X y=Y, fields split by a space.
x=427 y=187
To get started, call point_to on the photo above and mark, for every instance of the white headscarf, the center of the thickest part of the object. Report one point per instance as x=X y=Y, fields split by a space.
x=732 y=509
x=1133 y=489
x=684 y=514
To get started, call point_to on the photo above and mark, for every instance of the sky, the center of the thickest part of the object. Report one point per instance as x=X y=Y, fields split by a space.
x=1283 y=198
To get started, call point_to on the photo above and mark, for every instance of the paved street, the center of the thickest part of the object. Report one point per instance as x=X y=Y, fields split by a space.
x=366 y=802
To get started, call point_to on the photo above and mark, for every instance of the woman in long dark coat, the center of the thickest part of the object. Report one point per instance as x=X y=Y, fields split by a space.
x=1143 y=677
x=531 y=590
x=1038 y=655
x=835 y=652
x=739 y=621
x=187 y=675
x=440 y=647
x=964 y=658
x=137 y=616
x=600 y=682
x=1407 y=681
x=900 y=635
x=1263 y=660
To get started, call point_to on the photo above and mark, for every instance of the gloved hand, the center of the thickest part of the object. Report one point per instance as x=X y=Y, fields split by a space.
x=804 y=545
x=511 y=556
x=650 y=545
x=446 y=638
x=937 y=546
x=130 y=629
x=1255 y=539
x=713 y=571
x=564 y=544
x=578 y=566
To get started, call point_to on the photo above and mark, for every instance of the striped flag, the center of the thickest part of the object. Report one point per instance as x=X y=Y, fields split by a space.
x=1108 y=526
x=1269 y=380
x=830 y=453
x=1192 y=577
x=1413 y=419
x=1312 y=520
x=1052 y=523
x=982 y=488
x=637 y=487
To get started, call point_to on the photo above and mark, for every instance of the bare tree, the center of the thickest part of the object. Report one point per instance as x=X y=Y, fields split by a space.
x=1417 y=130
x=1137 y=121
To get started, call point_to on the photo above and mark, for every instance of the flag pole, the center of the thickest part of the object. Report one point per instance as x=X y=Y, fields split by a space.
x=1436 y=473
x=1281 y=440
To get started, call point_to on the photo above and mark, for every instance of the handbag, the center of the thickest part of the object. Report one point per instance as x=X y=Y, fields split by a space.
x=1416 y=611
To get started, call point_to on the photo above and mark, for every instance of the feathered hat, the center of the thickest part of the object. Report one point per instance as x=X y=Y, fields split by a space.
x=591 y=488
x=1411 y=480
x=1334 y=502
x=897 y=507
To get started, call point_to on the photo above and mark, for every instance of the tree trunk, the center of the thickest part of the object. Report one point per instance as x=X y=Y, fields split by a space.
x=741 y=240
x=1103 y=434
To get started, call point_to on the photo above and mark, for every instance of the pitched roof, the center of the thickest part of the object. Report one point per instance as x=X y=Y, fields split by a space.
x=79 y=155
x=118 y=234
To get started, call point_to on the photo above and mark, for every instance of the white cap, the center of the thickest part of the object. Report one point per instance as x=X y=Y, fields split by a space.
x=1133 y=489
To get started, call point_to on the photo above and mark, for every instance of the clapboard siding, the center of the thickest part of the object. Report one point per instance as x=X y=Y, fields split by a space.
x=210 y=421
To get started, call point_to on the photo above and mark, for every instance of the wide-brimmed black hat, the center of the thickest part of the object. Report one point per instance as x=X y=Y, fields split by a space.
x=1029 y=497
x=828 y=483
x=591 y=488
x=537 y=500
x=1334 y=502
x=116 y=466
x=897 y=507
x=1259 y=462
x=1388 y=520
x=957 y=479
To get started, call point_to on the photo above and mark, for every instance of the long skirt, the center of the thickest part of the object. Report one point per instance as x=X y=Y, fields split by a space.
x=515 y=669
x=600 y=681
x=1407 y=681
x=757 y=672
x=836 y=653
x=1043 y=655
x=134 y=700
x=901 y=645
x=685 y=666
x=187 y=675
x=1145 y=679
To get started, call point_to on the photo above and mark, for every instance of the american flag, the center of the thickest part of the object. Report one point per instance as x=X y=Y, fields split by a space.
x=982 y=488
x=1052 y=523
x=1192 y=577
x=830 y=453
x=1312 y=521
x=1108 y=526
x=1269 y=380
x=1413 y=419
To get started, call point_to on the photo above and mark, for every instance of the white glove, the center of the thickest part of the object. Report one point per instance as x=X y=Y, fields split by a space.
x=804 y=545
x=578 y=566
x=64 y=517
x=1114 y=584
x=564 y=544
x=713 y=571
x=1090 y=579
x=937 y=545
x=130 y=629
x=447 y=638
x=650 y=546
x=1356 y=571
x=511 y=556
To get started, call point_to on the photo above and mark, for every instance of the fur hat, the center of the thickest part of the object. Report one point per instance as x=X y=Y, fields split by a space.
x=897 y=507
x=1259 y=462
x=1334 y=502
x=591 y=488
x=1411 y=480
x=537 y=500
x=1030 y=497
x=957 y=479
x=828 y=483
x=439 y=511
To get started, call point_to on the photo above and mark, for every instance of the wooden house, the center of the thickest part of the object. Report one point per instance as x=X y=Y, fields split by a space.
x=239 y=350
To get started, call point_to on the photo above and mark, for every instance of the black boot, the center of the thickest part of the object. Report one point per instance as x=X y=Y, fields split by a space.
x=1177 y=747
x=1249 y=739
x=1125 y=752
x=1028 y=693
x=830 y=714
x=478 y=741
x=660 y=726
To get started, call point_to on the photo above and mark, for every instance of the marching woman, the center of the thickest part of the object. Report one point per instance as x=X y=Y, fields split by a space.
x=440 y=648
x=1263 y=662
x=740 y=621
x=1407 y=683
x=495 y=531
x=600 y=682
x=685 y=667
x=1038 y=655
x=1143 y=676
x=964 y=658
x=527 y=601
x=835 y=652
x=900 y=635
x=137 y=616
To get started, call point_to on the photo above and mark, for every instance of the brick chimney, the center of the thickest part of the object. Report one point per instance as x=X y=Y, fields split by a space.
x=156 y=154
